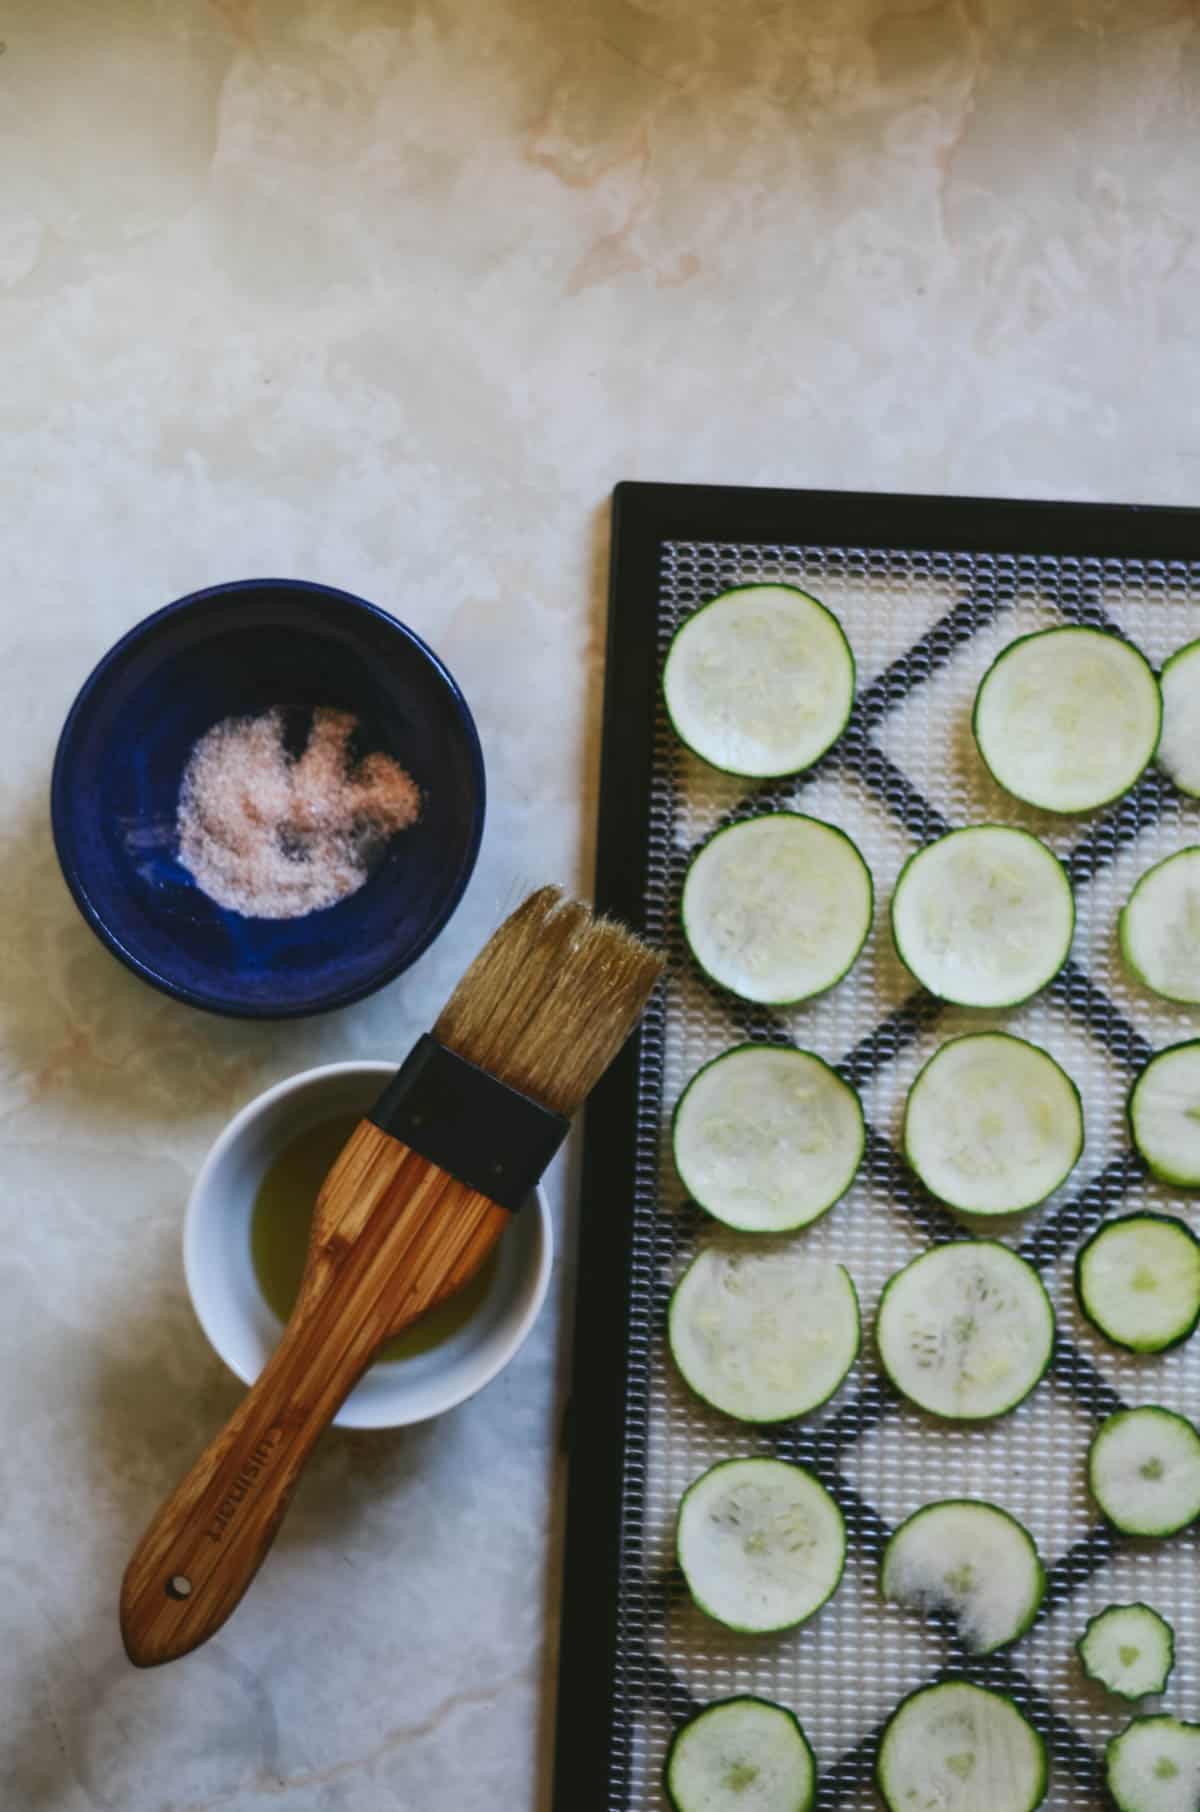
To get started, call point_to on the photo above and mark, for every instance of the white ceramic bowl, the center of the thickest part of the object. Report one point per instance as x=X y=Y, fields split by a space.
x=243 y=1330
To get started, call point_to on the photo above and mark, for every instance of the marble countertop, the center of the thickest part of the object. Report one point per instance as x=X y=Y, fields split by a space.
x=389 y=296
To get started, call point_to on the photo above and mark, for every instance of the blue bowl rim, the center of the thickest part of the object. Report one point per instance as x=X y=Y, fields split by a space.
x=343 y=997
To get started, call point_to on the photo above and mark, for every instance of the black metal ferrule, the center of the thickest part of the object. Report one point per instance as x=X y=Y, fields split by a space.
x=489 y=1136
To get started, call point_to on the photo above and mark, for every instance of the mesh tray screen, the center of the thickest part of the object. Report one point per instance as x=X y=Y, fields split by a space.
x=924 y=626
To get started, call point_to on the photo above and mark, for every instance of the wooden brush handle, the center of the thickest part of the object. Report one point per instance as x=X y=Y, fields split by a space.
x=208 y=1540
x=392 y=1236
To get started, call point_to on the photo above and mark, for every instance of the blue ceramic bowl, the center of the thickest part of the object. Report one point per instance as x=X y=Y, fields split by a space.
x=238 y=650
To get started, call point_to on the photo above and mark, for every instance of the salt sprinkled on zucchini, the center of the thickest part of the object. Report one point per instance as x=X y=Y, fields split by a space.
x=972 y=1561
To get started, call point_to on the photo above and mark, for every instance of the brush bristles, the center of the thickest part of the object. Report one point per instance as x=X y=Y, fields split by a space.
x=550 y=999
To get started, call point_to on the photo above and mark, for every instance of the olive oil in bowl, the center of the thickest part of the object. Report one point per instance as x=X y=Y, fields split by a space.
x=279 y=1227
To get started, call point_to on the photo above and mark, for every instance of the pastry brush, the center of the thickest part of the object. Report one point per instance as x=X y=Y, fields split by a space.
x=414 y=1204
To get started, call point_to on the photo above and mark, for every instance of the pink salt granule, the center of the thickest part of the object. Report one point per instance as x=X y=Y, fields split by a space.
x=274 y=836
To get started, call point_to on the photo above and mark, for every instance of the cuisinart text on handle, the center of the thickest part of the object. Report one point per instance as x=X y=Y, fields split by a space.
x=244 y=1483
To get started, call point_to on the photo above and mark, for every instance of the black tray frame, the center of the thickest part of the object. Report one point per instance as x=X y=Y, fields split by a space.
x=645 y=516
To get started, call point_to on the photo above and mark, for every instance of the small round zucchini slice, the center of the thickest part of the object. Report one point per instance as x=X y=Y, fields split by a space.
x=1069 y=718
x=777 y=908
x=1138 y=1281
x=960 y=1748
x=1164 y=1115
x=1159 y=928
x=1144 y=1471
x=760 y=681
x=766 y=1138
x=984 y=917
x=966 y=1330
x=760 y=1543
x=1179 y=748
x=764 y=1334
x=741 y=1755
x=1154 y=1766
x=971 y=1560
x=1129 y=1649
x=993 y=1125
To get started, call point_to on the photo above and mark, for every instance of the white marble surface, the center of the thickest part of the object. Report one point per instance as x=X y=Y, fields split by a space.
x=389 y=295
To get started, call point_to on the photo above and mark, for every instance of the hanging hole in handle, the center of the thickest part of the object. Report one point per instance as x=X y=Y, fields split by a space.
x=180 y=1586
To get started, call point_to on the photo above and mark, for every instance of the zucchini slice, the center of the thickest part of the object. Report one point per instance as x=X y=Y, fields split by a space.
x=1067 y=719
x=1159 y=928
x=763 y=1335
x=983 y=917
x=965 y=1331
x=1129 y=1649
x=760 y=681
x=971 y=1560
x=1164 y=1115
x=1138 y=1281
x=960 y=1748
x=766 y=1138
x=777 y=908
x=1144 y=1471
x=1179 y=746
x=1154 y=1766
x=992 y=1124
x=760 y=1543
x=741 y=1755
